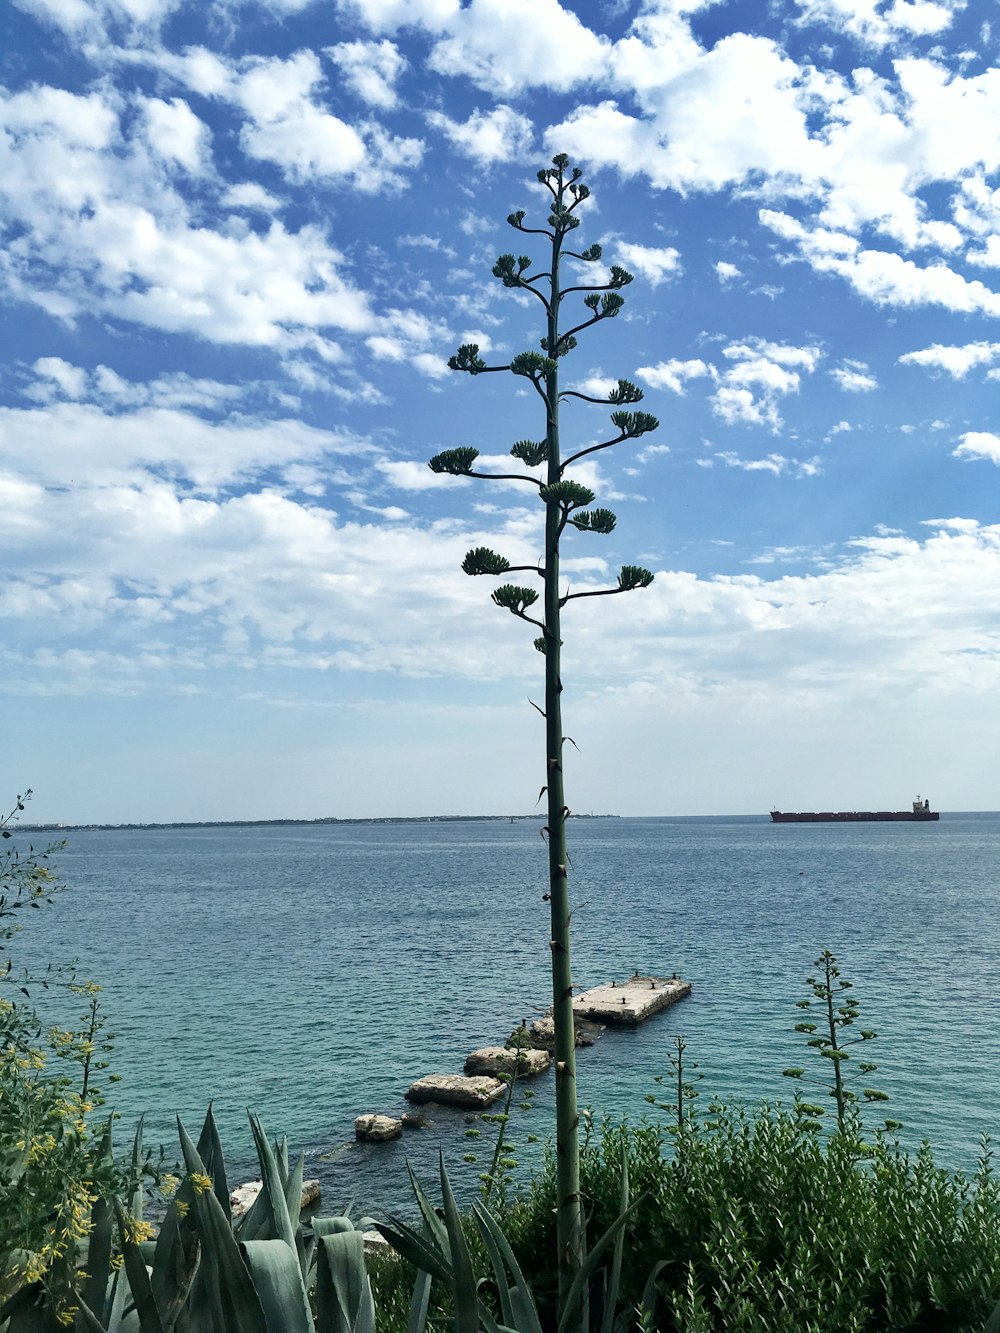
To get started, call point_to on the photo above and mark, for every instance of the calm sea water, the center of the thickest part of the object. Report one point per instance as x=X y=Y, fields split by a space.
x=312 y=972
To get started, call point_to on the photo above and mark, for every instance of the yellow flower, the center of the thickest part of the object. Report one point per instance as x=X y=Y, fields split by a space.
x=136 y=1230
x=200 y=1182
x=168 y=1186
x=182 y=1207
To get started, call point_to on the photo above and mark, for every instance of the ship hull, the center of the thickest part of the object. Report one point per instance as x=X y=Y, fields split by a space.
x=855 y=816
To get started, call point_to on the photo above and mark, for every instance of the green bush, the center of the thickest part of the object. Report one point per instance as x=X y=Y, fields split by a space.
x=762 y=1225
x=52 y=1164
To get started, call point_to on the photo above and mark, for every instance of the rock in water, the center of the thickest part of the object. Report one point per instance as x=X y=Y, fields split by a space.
x=377 y=1128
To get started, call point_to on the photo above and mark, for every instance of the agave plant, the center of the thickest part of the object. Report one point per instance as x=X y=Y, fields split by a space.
x=205 y=1273
x=504 y=1303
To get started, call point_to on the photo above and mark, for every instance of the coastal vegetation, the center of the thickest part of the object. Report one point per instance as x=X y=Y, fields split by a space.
x=766 y=1220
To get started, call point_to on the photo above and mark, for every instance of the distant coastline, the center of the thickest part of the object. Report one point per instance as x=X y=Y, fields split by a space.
x=293 y=823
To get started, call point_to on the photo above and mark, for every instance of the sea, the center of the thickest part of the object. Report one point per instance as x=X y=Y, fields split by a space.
x=310 y=972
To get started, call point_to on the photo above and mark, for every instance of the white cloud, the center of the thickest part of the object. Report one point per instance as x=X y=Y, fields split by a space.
x=776 y=464
x=370 y=70
x=488 y=136
x=104 y=230
x=653 y=263
x=391 y=15
x=506 y=46
x=58 y=376
x=288 y=126
x=77 y=443
x=979 y=444
x=175 y=134
x=882 y=276
x=727 y=272
x=672 y=374
x=759 y=375
x=879 y=24
x=957 y=361
x=854 y=377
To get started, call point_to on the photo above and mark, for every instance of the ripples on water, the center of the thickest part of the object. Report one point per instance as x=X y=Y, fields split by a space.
x=312 y=972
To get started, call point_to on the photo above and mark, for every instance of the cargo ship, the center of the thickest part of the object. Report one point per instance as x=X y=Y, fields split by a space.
x=920 y=813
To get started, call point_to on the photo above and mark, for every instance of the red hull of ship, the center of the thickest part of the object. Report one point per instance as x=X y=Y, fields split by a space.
x=855 y=817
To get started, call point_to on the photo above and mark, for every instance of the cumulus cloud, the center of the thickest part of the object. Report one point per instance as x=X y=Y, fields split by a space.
x=878 y=25
x=854 y=377
x=673 y=374
x=488 y=136
x=505 y=46
x=759 y=375
x=979 y=444
x=370 y=70
x=289 y=126
x=653 y=263
x=956 y=360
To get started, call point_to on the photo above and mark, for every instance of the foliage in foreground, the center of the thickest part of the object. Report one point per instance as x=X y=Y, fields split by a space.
x=761 y=1225
x=52 y=1164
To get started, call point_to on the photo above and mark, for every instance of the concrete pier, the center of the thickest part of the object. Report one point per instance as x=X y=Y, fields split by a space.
x=495 y=1060
x=456 y=1090
x=629 y=1003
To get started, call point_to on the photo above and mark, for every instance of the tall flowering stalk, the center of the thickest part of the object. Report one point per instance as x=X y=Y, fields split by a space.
x=566 y=505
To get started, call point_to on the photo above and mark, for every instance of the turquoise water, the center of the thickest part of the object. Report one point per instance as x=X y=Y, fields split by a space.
x=312 y=972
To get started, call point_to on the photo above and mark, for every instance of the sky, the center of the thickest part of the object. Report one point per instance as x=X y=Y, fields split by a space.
x=239 y=242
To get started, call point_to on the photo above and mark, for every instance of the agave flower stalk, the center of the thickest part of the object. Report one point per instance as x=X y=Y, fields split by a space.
x=566 y=505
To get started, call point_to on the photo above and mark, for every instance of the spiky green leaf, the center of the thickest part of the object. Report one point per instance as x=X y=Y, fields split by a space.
x=515 y=599
x=567 y=494
x=595 y=520
x=481 y=560
x=620 y=277
x=456 y=462
x=532 y=364
x=634 y=576
x=633 y=424
x=531 y=452
x=467 y=358
x=626 y=392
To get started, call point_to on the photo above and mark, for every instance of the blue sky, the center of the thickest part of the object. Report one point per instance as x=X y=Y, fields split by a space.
x=239 y=243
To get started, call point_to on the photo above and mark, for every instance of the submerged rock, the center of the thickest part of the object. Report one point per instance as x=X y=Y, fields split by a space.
x=503 y=1060
x=377 y=1128
x=456 y=1090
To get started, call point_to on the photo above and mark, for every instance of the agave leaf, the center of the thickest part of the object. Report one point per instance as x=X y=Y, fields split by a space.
x=428 y=1212
x=464 y=1286
x=88 y=1321
x=138 y=1278
x=344 y=1302
x=273 y=1192
x=578 y=1286
x=210 y=1152
x=517 y=1305
x=419 y=1301
x=419 y=1250
x=237 y=1300
x=647 y=1305
x=136 y=1201
x=331 y=1226
x=274 y=1269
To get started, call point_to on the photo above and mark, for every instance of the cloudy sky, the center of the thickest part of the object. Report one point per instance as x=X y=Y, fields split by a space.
x=240 y=241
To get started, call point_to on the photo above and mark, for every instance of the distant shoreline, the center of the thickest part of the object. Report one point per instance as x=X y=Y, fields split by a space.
x=293 y=823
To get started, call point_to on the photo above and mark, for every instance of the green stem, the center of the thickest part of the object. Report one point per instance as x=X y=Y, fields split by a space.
x=569 y=1213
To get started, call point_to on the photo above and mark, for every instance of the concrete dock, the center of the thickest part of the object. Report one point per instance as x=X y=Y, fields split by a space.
x=456 y=1090
x=629 y=1003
